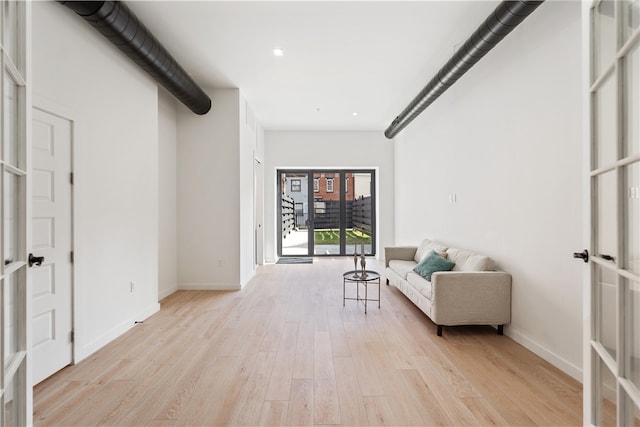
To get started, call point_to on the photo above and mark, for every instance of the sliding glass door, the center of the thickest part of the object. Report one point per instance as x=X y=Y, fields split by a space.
x=293 y=206
x=326 y=212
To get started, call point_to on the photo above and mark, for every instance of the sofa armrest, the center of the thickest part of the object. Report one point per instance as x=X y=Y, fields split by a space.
x=404 y=253
x=471 y=297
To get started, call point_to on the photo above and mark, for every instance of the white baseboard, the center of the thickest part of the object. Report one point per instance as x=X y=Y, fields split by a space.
x=208 y=287
x=83 y=351
x=565 y=366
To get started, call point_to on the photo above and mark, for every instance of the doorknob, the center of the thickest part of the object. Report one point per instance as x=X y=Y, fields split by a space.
x=37 y=260
x=584 y=255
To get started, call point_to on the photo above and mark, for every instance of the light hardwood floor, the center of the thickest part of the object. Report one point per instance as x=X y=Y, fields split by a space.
x=284 y=351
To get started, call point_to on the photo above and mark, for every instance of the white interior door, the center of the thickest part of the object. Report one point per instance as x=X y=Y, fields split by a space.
x=612 y=368
x=51 y=239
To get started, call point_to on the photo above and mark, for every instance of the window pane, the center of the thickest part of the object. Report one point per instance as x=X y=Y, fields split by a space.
x=11 y=219
x=604 y=110
x=11 y=33
x=362 y=209
x=606 y=311
x=11 y=299
x=632 y=301
x=607 y=397
x=605 y=199
x=630 y=17
x=326 y=219
x=604 y=37
x=632 y=218
x=631 y=100
x=10 y=402
x=11 y=122
x=633 y=412
x=295 y=213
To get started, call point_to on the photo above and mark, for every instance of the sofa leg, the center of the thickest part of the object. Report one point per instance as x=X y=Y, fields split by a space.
x=439 y=330
x=500 y=329
x=387 y=282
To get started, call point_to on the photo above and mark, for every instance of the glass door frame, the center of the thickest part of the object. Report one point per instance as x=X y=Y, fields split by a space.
x=610 y=394
x=341 y=173
x=16 y=395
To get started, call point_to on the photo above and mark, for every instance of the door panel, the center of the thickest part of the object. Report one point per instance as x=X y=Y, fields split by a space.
x=294 y=207
x=15 y=373
x=363 y=212
x=327 y=208
x=612 y=380
x=51 y=238
x=632 y=218
x=633 y=332
x=631 y=73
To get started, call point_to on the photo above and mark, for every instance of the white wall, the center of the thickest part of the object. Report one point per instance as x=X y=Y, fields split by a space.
x=506 y=139
x=208 y=195
x=168 y=219
x=329 y=149
x=215 y=193
x=115 y=114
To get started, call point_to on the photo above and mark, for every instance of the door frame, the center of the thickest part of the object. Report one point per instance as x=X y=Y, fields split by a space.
x=310 y=172
x=15 y=368
x=598 y=361
x=50 y=107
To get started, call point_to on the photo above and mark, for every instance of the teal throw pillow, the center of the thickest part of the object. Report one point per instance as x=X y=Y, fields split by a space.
x=431 y=264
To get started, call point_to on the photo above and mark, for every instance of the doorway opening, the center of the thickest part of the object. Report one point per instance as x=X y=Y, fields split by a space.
x=327 y=212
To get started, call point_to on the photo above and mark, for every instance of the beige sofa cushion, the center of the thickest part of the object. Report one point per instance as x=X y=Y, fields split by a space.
x=401 y=268
x=421 y=284
x=427 y=246
x=470 y=261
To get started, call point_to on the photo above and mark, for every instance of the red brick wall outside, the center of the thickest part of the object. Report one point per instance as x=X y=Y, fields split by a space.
x=322 y=192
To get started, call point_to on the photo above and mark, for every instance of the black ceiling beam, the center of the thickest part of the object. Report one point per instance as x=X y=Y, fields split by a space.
x=115 y=21
x=507 y=16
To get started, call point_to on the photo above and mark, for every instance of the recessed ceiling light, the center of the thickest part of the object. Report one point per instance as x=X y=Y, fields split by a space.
x=354 y=114
x=278 y=51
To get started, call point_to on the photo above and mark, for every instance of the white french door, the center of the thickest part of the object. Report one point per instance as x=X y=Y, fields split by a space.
x=612 y=381
x=15 y=386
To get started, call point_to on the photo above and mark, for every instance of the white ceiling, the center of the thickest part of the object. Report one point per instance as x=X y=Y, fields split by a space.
x=369 y=57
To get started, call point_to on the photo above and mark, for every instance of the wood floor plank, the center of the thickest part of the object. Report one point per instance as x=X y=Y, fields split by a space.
x=97 y=406
x=282 y=373
x=432 y=411
x=128 y=401
x=325 y=391
x=379 y=412
x=284 y=351
x=201 y=408
x=274 y=413
x=352 y=405
x=300 y=410
x=339 y=341
x=250 y=402
x=404 y=407
x=368 y=377
x=304 y=355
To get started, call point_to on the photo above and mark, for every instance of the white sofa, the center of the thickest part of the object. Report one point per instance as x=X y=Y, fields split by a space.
x=472 y=293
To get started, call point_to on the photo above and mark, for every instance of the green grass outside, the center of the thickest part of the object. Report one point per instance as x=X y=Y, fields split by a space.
x=332 y=237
